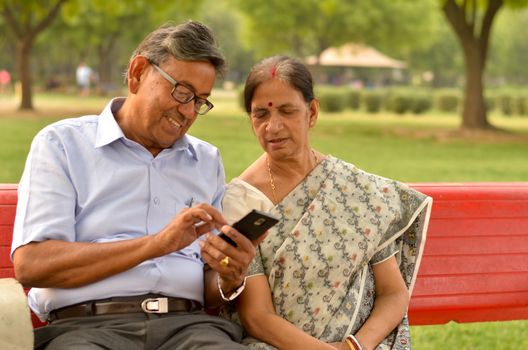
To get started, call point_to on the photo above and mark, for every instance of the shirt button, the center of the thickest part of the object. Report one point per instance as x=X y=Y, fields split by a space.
x=156 y=200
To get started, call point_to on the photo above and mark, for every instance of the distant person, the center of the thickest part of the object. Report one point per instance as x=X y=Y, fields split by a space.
x=5 y=80
x=113 y=207
x=84 y=76
x=336 y=271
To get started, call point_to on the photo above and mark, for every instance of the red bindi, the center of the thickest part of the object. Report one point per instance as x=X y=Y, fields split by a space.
x=270 y=104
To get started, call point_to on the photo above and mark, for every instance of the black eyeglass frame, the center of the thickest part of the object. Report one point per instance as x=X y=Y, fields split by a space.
x=201 y=105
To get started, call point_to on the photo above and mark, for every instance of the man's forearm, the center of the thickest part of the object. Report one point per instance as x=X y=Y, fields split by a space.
x=59 y=264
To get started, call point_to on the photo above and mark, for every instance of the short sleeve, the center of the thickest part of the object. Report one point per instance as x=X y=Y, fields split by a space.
x=50 y=214
x=240 y=198
x=385 y=253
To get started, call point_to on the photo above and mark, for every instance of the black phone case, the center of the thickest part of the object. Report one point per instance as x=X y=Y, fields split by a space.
x=253 y=225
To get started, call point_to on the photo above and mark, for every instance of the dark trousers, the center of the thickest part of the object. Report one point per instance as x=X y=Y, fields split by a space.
x=174 y=331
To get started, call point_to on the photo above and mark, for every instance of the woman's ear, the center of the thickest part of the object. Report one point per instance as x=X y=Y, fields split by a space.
x=135 y=70
x=314 y=112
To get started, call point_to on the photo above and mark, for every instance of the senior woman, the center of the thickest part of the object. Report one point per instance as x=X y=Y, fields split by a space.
x=337 y=270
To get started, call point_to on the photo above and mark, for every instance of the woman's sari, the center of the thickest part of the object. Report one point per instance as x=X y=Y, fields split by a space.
x=336 y=224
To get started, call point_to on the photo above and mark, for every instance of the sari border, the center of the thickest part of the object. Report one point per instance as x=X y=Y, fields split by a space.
x=364 y=273
x=429 y=203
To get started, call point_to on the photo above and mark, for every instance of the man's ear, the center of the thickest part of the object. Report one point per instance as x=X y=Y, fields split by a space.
x=136 y=69
x=314 y=112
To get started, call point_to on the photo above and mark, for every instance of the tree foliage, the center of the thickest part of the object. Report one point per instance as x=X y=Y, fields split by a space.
x=509 y=48
x=108 y=27
x=308 y=27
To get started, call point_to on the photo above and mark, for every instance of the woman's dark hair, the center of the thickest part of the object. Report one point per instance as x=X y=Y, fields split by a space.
x=284 y=68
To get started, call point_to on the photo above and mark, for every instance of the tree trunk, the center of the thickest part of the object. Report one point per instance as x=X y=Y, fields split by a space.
x=474 y=39
x=23 y=69
x=106 y=52
x=474 y=114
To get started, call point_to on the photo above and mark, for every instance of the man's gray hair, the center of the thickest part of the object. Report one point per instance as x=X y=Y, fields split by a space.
x=190 y=41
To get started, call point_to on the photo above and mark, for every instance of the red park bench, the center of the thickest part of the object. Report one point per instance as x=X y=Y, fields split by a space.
x=475 y=263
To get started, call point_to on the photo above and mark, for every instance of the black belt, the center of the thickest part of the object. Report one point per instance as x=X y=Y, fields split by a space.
x=149 y=303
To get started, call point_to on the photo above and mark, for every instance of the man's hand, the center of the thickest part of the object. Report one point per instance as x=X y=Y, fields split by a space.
x=187 y=226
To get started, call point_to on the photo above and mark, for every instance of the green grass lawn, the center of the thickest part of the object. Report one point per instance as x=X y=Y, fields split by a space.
x=408 y=148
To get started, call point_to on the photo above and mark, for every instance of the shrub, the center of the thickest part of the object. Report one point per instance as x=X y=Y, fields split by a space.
x=522 y=105
x=506 y=104
x=421 y=103
x=398 y=102
x=373 y=100
x=353 y=99
x=491 y=102
x=447 y=101
x=240 y=97
x=332 y=100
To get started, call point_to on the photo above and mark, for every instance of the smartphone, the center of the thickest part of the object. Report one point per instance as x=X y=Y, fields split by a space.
x=253 y=225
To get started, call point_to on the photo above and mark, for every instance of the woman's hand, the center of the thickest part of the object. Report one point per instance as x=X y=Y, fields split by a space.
x=229 y=262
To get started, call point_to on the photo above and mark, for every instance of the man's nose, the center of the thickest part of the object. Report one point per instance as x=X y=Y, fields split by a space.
x=187 y=109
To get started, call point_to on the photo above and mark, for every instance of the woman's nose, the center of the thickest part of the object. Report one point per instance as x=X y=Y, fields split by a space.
x=274 y=122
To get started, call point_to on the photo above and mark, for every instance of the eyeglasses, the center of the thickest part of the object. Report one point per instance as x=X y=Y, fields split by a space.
x=184 y=94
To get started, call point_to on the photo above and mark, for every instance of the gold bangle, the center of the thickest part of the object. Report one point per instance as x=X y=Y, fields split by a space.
x=350 y=345
x=353 y=343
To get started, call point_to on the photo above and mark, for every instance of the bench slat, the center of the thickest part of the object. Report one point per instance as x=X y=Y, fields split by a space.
x=7 y=214
x=470 y=284
x=450 y=227
x=476 y=301
x=481 y=209
x=487 y=245
x=6 y=272
x=441 y=265
x=429 y=317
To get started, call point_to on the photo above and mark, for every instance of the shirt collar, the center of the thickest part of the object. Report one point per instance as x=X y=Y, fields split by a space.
x=185 y=144
x=108 y=130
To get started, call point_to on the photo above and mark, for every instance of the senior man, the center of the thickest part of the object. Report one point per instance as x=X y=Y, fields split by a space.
x=112 y=209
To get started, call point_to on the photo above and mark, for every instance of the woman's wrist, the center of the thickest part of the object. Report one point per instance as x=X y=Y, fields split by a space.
x=231 y=293
x=353 y=343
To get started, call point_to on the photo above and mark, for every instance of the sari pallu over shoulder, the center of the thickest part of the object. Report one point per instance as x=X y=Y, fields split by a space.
x=333 y=227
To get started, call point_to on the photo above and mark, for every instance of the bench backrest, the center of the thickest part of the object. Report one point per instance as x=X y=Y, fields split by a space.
x=8 y=200
x=475 y=263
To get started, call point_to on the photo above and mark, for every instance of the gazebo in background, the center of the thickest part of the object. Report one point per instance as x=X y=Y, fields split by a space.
x=357 y=65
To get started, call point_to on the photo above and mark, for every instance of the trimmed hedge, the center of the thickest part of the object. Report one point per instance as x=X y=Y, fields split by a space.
x=447 y=101
x=332 y=100
x=398 y=102
x=373 y=101
x=421 y=103
x=353 y=98
x=506 y=104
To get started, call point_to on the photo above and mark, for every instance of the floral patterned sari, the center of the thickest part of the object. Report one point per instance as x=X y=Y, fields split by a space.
x=336 y=224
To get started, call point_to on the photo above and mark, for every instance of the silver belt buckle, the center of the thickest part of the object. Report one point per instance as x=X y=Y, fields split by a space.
x=155 y=305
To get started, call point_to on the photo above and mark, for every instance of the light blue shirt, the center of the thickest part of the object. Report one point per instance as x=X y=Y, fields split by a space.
x=84 y=181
